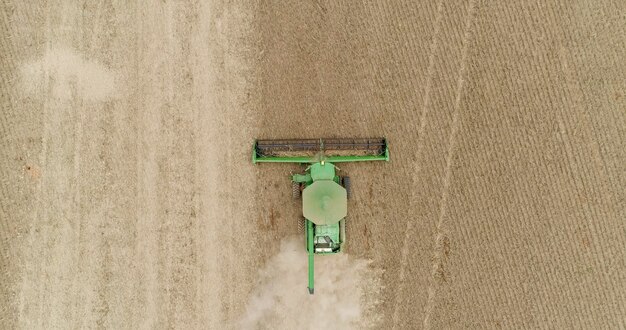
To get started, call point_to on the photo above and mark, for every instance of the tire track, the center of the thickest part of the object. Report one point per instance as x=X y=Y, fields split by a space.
x=440 y=238
x=15 y=165
x=420 y=136
x=149 y=125
x=177 y=168
x=585 y=181
x=206 y=167
x=11 y=171
x=26 y=318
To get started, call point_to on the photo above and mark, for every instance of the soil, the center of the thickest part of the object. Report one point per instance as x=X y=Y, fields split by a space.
x=128 y=197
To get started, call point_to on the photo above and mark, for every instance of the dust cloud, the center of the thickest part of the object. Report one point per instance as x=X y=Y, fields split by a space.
x=346 y=292
x=68 y=75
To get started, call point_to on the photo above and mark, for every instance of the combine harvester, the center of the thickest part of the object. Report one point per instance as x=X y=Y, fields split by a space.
x=324 y=193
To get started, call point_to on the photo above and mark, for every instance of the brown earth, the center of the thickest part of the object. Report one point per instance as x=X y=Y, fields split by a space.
x=129 y=201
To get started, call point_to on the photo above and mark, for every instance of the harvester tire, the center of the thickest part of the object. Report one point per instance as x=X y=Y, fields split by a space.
x=346 y=185
x=295 y=190
x=301 y=225
x=342 y=231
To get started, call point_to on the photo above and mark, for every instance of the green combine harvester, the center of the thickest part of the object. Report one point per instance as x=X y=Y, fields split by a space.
x=324 y=193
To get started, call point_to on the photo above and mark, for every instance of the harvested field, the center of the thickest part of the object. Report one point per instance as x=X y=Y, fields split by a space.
x=128 y=198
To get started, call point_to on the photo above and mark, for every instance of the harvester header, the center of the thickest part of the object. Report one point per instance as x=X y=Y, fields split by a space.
x=316 y=150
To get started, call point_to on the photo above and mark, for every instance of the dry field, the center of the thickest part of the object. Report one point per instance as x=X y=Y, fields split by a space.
x=128 y=199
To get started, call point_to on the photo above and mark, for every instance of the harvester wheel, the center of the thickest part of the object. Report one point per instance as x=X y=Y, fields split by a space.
x=295 y=190
x=342 y=230
x=301 y=225
x=346 y=185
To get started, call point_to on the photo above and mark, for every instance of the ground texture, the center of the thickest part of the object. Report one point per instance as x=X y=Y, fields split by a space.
x=128 y=199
